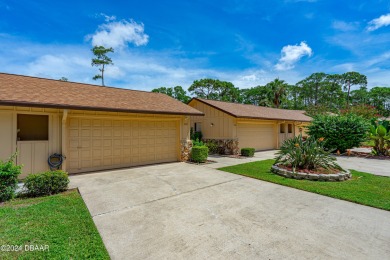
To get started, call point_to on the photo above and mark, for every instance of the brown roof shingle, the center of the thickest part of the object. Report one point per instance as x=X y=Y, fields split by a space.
x=256 y=112
x=31 y=91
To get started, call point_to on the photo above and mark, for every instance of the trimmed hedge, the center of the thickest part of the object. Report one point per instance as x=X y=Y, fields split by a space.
x=199 y=154
x=46 y=183
x=9 y=172
x=248 y=152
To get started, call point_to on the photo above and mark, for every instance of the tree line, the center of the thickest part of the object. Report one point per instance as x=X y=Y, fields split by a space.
x=319 y=92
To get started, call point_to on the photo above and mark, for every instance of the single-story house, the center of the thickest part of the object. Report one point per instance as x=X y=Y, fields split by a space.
x=239 y=125
x=94 y=127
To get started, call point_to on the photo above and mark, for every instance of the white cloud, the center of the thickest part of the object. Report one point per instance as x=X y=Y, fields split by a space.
x=383 y=20
x=107 y=18
x=118 y=34
x=291 y=54
x=145 y=69
x=345 y=26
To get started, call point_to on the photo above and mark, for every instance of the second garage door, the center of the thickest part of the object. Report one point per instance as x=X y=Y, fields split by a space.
x=97 y=144
x=258 y=136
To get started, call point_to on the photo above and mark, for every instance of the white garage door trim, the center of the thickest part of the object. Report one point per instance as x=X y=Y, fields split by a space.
x=96 y=143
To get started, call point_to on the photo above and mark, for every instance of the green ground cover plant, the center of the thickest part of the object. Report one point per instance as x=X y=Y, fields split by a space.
x=62 y=222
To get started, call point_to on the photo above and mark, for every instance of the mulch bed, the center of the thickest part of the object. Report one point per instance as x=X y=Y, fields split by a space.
x=207 y=162
x=366 y=155
x=233 y=156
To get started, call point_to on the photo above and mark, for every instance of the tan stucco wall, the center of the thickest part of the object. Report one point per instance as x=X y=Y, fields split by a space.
x=225 y=126
x=58 y=132
x=215 y=124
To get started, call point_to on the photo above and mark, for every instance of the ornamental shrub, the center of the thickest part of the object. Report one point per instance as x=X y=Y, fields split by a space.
x=305 y=154
x=213 y=146
x=339 y=132
x=249 y=152
x=9 y=173
x=195 y=134
x=380 y=134
x=199 y=154
x=197 y=143
x=46 y=183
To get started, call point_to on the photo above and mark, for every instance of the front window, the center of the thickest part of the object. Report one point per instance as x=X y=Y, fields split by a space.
x=281 y=129
x=290 y=128
x=33 y=127
x=198 y=127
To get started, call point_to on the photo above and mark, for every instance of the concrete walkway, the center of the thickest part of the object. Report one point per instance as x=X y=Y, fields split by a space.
x=373 y=166
x=185 y=211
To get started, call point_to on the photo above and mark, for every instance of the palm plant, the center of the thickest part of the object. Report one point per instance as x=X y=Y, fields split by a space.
x=381 y=135
x=278 y=90
x=306 y=154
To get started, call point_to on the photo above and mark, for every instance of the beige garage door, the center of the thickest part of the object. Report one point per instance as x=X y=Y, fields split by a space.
x=97 y=144
x=260 y=137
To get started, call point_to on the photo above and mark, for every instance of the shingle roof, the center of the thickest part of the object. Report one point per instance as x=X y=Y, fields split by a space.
x=256 y=112
x=30 y=91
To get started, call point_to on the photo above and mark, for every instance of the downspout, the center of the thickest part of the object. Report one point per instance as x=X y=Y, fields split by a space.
x=64 y=138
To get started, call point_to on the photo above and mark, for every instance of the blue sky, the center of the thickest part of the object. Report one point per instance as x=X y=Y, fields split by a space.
x=169 y=43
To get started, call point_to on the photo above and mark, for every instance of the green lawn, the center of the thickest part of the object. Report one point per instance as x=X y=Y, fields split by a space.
x=61 y=222
x=363 y=188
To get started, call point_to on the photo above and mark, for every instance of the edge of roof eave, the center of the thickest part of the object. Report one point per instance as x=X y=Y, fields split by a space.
x=264 y=118
x=58 y=106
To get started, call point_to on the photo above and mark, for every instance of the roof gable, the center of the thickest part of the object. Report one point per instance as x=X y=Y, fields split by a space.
x=255 y=112
x=30 y=91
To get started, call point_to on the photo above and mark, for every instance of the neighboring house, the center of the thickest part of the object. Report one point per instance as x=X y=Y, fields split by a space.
x=239 y=125
x=95 y=127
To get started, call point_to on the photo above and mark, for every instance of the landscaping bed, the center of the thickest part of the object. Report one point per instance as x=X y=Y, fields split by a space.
x=317 y=175
x=206 y=162
x=60 y=223
x=366 y=155
x=362 y=188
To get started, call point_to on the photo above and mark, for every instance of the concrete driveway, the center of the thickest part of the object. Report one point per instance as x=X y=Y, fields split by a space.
x=184 y=211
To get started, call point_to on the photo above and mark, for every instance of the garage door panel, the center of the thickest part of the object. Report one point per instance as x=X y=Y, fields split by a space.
x=117 y=123
x=107 y=123
x=126 y=152
x=107 y=132
x=73 y=122
x=85 y=154
x=73 y=144
x=258 y=136
x=117 y=161
x=118 y=143
x=117 y=153
x=96 y=163
x=96 y=144
x=74 y=133
x=85 y=123
x=86 y=164
x=126 y=142
x=117 y=132
x=96 y=123
x=107 y=152
x=97 y=153
x=107 y=161
x=96 y=133
x=107 y=143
